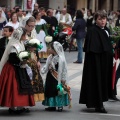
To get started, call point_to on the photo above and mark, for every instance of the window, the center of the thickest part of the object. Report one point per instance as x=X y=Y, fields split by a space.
x=18 y=3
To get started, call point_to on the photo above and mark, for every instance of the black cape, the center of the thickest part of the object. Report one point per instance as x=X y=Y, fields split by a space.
x=97 y=72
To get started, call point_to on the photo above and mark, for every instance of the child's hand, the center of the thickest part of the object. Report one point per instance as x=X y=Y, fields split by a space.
x=63 y=82
x=50 y=67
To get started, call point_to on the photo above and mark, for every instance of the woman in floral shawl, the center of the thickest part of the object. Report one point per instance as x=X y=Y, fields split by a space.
x=37 y=82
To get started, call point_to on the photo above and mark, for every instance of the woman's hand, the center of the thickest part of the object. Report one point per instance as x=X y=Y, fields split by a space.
x=23 y=62
x=38 y=65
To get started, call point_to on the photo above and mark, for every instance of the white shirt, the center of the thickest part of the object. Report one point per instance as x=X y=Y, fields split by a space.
x=14 y=25
x=69 y=21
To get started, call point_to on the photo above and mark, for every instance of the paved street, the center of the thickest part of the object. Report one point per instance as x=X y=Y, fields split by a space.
x=78 y=112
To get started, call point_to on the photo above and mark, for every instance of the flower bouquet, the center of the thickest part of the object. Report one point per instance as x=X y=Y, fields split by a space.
x=48 y=39
x=115 y=34
x=115 y=37
x=34 y=43
x=63 y=89
x=24 y=55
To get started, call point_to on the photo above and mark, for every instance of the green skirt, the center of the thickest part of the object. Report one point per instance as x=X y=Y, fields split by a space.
x=58 y=101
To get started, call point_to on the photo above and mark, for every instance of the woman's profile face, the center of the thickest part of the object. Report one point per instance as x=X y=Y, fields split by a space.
x=88 y=13
x=101 y=22
x=38 y=16
x=51 y=51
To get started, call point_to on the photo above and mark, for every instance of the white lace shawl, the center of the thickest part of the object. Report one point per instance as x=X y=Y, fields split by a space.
x=15 y=39
x=62 y=65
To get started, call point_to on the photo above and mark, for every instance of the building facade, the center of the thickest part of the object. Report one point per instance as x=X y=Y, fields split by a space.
x=70 y=4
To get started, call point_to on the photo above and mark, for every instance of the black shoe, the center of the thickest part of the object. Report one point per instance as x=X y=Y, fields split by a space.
x=100 y=110
x=26 y=110
x=11 y=111
x=114 y=98
x=50 y=109
x=77 y=62
x=60 y=109
x=23 y=110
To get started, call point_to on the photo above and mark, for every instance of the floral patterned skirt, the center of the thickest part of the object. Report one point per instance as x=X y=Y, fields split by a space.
x=37 y=82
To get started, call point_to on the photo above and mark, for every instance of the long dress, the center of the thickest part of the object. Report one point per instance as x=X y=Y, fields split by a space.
x=41 y=33
x=97 y=72
x=52 y=99
x=37 y=82
x=15 y=85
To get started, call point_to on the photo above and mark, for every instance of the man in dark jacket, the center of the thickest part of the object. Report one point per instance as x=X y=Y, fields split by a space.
x=53 y=22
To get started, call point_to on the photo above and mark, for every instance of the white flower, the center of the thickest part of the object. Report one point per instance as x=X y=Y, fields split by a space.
x=48 y=39
x=23 y=55
x=9 y=38
x=34 y=41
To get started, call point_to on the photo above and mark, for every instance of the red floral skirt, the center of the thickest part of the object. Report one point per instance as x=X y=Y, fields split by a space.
x=9 y=95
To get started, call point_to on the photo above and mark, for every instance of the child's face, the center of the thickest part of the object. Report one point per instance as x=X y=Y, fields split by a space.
x=101 y=22
x=6 y=32
x=51 y=51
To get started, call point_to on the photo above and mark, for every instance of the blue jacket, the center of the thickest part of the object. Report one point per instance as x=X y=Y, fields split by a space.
x=79 y=26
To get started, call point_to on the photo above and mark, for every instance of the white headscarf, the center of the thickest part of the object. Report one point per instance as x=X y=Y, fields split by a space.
x=15 y=39
x=62 y=69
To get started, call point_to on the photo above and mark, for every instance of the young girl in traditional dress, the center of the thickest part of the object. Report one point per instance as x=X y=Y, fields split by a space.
x=56 y=63
x=15 y=86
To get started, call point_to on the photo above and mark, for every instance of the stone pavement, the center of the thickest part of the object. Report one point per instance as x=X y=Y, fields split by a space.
x=78 y=111
x=75 y=77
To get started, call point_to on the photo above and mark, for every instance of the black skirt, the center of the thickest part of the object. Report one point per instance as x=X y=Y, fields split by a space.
x=51 y=85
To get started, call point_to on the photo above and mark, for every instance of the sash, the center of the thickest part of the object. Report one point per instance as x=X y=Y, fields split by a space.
x=54 y=73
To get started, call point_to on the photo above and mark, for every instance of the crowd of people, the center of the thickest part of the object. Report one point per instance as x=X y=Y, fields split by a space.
x=21 y=83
